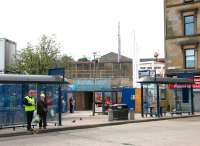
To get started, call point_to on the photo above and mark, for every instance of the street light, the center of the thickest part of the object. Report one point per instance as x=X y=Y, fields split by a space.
x=158 y=96
x=155 y=60
x=94 y=78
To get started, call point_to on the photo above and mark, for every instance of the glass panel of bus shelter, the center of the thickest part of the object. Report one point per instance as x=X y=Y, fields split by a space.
x=149 y=98
x=52 y=96
x=114 y=98
x=119 y=97
x=179 y=99
x=98 y=102
x=164 y=101
x=65 y=98
x=196 y=94
x=11 y=104
x=186 y=100
x=108 y=100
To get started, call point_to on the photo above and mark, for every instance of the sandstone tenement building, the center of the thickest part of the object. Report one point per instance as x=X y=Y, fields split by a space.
x=182 y=36
x=182 y=47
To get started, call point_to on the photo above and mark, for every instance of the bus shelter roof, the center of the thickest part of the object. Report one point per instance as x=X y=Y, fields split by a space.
x=41 y=79
x=164 y=80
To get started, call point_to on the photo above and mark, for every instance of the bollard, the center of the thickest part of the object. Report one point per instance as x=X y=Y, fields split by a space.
x=110 y=115
x=132 y=114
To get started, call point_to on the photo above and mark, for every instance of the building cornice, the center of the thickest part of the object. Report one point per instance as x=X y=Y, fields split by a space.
x=182 y=36
x=182 y=4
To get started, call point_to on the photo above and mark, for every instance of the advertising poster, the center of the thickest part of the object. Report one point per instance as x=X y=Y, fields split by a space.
x=98 y=102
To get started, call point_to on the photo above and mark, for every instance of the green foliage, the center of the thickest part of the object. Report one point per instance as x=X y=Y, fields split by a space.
x=67 y=62
x=36 y=59
x=83 y=59
x=48 y=51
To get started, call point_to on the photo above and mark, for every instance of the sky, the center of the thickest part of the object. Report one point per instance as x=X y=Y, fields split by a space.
x=86 y=26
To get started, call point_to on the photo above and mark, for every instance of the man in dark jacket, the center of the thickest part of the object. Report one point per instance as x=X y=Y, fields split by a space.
x=42 y=111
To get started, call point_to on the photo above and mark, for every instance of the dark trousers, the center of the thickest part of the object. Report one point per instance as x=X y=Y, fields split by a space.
x=29 y=116
x=71 y=108
x=43 y=120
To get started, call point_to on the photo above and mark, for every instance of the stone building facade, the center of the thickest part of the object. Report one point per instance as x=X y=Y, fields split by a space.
x=105 y=73
x=182 y=37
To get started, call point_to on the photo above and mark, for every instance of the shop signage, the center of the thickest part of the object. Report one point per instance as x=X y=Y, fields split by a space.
x=196 y=84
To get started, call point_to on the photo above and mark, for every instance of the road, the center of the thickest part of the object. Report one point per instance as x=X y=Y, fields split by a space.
x=182 y=132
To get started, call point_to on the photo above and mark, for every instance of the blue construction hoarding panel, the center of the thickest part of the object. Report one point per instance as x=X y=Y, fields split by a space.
x=128 y=97
x=56 y=71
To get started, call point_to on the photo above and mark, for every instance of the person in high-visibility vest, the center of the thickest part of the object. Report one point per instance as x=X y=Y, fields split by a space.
x=29 y=107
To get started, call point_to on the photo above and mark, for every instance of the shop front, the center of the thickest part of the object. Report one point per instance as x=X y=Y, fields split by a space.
x=98 y=95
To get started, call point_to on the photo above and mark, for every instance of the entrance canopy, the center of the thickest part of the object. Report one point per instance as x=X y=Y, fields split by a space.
x=162 y=94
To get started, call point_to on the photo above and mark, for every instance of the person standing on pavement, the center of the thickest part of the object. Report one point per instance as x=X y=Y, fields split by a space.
x=29 y=107
x=63 y=104
x=42 y=110
x=71 y=102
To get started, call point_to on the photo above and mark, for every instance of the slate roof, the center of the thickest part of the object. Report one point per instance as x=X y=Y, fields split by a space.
x=113 y=57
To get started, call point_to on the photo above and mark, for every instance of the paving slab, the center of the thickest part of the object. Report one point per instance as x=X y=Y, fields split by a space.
x=83 y=120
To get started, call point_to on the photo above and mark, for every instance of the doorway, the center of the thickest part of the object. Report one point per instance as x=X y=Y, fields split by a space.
x=88 y=96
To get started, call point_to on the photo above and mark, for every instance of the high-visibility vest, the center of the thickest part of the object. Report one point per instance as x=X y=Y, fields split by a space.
x=30 y=107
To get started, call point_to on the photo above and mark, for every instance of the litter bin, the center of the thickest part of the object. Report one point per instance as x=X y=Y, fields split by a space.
x=120 y=112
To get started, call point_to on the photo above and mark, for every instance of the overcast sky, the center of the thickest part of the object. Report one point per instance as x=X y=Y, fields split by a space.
x=85 y=26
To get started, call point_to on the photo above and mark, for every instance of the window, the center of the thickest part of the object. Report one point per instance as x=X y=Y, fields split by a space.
x=142 y=68
x=185 y=95
x=157 y=67
x=189 y=58
x=189 y=25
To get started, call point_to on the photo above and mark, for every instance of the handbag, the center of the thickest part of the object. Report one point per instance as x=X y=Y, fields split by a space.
x=36 y=117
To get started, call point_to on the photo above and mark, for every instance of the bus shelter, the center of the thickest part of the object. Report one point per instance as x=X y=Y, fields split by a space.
x=166 y=95
x=13 y=88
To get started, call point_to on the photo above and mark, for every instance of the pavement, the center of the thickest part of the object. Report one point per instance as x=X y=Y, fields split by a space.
x=176 y=132
x=84 y=120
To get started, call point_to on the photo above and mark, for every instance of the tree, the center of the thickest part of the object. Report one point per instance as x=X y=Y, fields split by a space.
x=67 y=62
x=48 y=51
x=36 y=59
x=83 y=59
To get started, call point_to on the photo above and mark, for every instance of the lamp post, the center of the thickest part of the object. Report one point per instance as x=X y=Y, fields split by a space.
x=157 y=86
x=94 y=78
x=155 y=60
